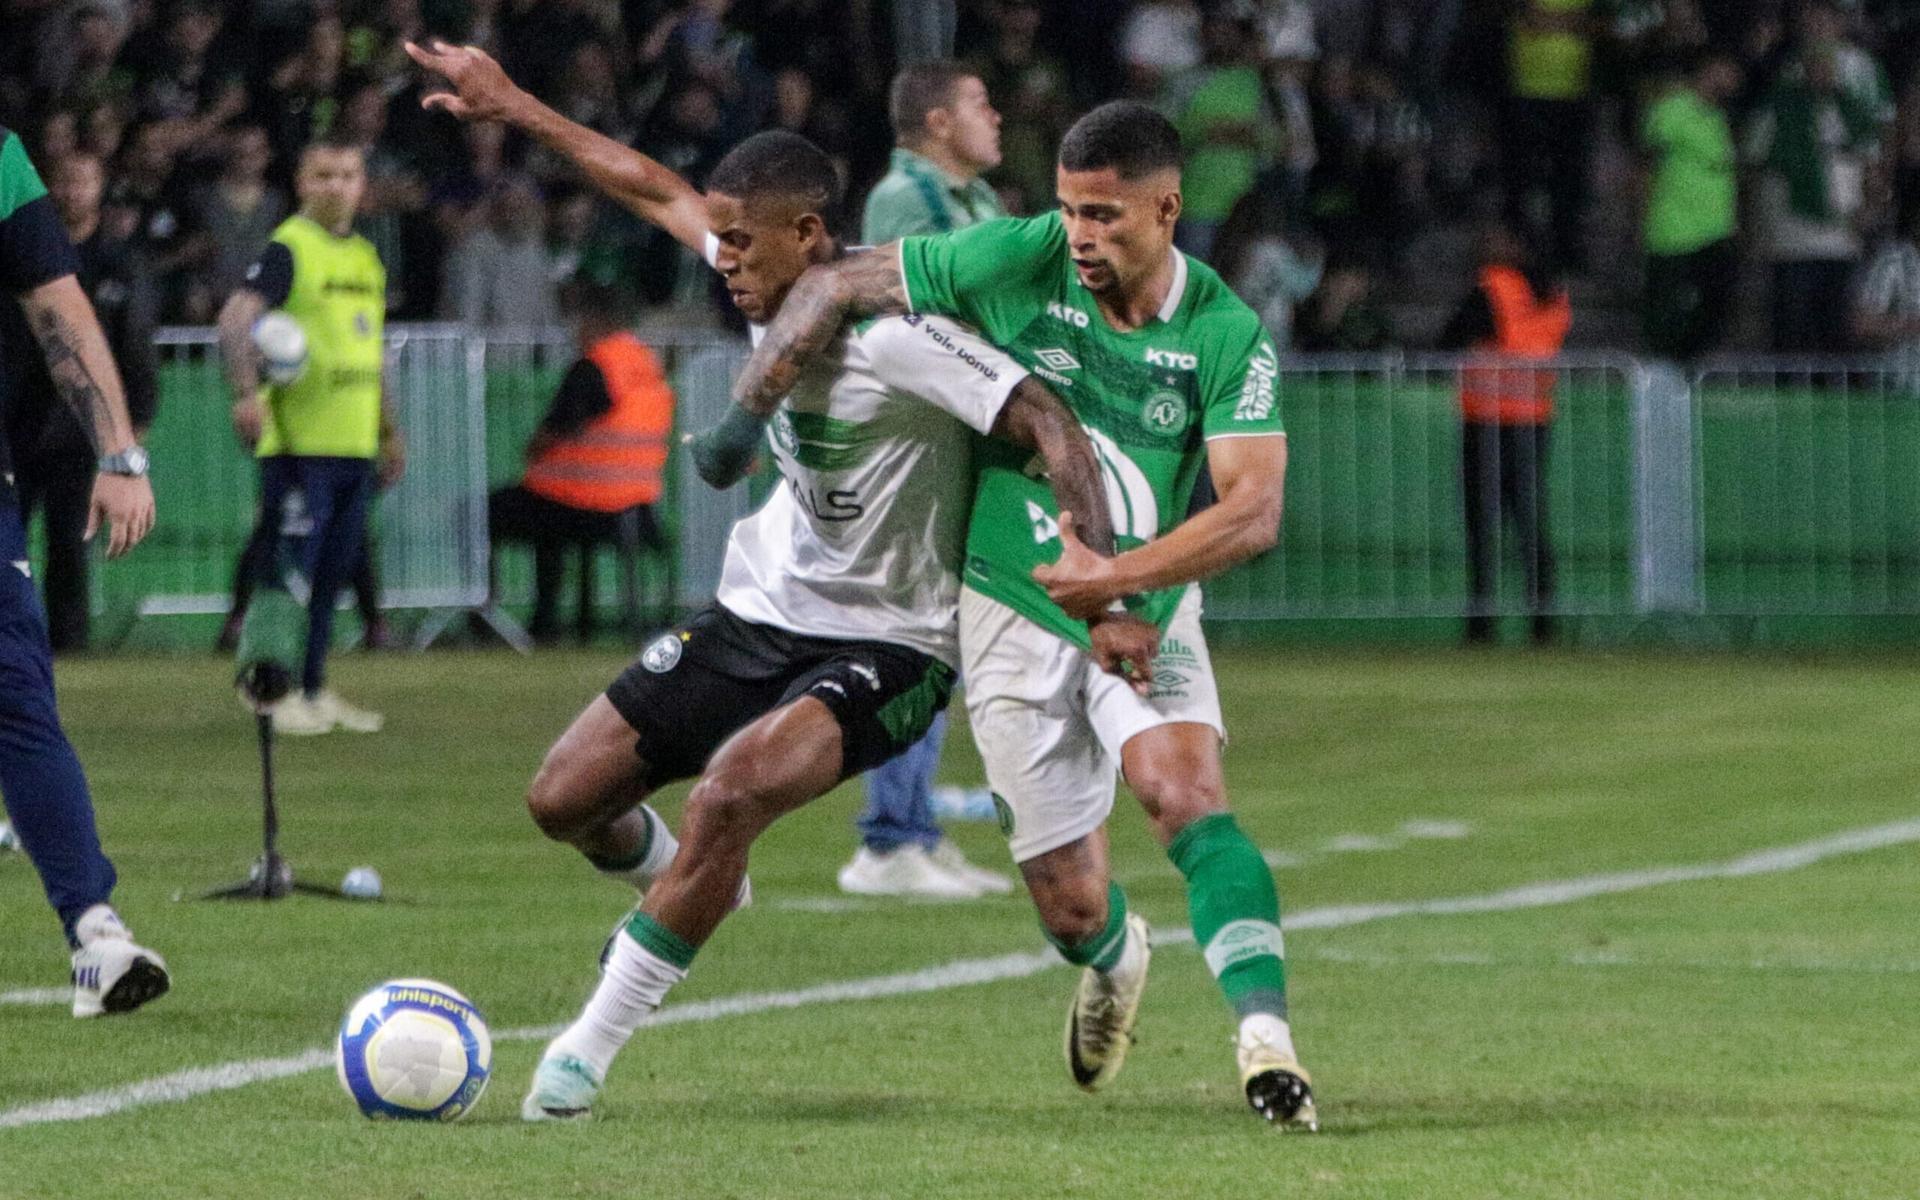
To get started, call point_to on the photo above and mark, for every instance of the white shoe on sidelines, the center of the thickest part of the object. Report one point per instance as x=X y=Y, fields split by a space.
x=110 y=973
x=563 y=1089
x=296 y=716
x=947 y=856
x=907 y=871
x=1101 y=1018
x=347 y=716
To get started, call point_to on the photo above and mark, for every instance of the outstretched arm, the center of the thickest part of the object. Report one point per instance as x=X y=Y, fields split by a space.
x=825 y=298
x=1250 y=474
x=481 y=91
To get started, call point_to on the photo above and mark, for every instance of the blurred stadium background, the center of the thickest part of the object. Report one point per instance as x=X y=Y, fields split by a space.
x=1738 y=1026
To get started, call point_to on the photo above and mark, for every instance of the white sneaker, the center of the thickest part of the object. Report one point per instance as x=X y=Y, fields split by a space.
x=563 y=1090
x=297 y=716
x=347 y=716
x=907 y=871
x=110 y=973
x=947 y=855
x=1101 y=1018
x=1277 y=1086
x=9 y=840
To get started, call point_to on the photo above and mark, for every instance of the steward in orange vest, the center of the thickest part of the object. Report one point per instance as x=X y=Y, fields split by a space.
x=597 y=459
x=1517 y=314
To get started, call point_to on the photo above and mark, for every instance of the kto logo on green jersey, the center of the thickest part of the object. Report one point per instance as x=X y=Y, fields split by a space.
x=1165 y=412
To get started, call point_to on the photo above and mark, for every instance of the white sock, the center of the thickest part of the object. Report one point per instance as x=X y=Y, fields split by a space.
x=661 y=848
x=1274 y=1031
x=1133 y=953
x=635 y=982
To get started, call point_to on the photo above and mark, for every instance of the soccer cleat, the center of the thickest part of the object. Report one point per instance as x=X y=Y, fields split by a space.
x=947 y=856
x=346 y=716
x=1100 y=1020
x=297 y=716
x=907 y=871
x=9 y=840
x=110 y=973
x=563 y=1090
x=1277 y=1086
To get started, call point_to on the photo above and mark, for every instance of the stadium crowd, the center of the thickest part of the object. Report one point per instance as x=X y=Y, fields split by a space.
x=1334 y=143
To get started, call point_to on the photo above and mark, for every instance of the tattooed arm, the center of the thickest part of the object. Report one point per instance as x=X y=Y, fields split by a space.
x=242 y=359
x=64 y=323
x=1036 y=418
x=825 y=298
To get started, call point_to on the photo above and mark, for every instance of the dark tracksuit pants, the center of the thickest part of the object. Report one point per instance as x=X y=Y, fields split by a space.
x=320 y=505
x=61 y=487
x=1503 y=472
x=40 y=778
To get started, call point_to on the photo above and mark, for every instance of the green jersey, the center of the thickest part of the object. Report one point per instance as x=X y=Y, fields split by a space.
x=1149 y=398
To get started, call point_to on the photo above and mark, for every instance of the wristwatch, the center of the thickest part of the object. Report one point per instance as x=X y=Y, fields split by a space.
x=131 y=461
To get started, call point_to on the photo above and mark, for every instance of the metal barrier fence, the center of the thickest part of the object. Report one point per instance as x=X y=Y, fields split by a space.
x=1752 y=486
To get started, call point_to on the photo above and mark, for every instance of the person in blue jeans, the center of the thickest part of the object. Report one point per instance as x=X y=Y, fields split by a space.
x=947 y=134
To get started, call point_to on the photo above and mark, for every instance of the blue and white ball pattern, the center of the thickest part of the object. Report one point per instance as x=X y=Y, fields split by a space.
x=414 y=1050
x=282 y=344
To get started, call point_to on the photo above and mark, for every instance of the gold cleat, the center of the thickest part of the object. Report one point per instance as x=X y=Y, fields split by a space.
x=1100 y=1020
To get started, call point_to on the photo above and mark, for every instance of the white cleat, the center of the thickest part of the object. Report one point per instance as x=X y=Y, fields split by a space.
x=110 y=973
x=947 y=856
x=9 y=840
x=347 y=716
x=297 y=716
x=563 y=1089
x=1101 y=1018
x=1277 y=1086
x=907 y=871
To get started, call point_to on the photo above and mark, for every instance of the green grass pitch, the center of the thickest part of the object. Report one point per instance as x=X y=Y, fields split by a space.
x=1741 y=1032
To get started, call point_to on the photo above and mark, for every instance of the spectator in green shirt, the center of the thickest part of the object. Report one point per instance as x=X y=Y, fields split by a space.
x=947 y=133
x=1226 y=127
x=1692 y=268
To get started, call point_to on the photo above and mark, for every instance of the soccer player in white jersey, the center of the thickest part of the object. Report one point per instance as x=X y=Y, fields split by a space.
x=1167 y=370
x=833 y=637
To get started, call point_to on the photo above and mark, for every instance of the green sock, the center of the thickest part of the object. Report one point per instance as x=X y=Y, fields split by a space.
x=1102 y=950
x=1235 y=911
x=662 y=942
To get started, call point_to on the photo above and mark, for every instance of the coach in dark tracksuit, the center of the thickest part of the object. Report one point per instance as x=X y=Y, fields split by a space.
x=55 y=464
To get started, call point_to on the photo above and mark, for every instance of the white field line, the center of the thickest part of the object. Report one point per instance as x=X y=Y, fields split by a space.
x=1588 y=960
x=184 y=1085
x=38 y=996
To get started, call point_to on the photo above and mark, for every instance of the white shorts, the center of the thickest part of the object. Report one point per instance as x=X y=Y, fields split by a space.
x=1050 y=724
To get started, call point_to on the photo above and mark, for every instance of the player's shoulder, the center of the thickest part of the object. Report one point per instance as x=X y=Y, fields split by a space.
x=1215 y=315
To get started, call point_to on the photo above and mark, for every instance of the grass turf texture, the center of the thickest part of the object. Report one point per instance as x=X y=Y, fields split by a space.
x=1736 y=1037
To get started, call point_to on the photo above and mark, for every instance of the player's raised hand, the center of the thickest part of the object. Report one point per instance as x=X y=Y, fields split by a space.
x=1082 y=583
x=481 y=89
x=1124 y=645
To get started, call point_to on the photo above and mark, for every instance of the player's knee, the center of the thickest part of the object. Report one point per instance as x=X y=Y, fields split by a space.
x=1075 y=917
x=554 y=800
x=1175 y=798
x=723 y=808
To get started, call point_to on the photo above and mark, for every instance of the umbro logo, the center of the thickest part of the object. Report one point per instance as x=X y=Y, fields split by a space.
x=1058 y=359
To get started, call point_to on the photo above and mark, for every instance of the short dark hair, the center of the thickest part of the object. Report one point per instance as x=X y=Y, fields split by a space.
x=1127 y=136
x=918 y=90
x=777 y=164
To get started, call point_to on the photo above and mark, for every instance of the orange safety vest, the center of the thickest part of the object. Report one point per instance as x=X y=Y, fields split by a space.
x=1523 y=328
x=617 y=460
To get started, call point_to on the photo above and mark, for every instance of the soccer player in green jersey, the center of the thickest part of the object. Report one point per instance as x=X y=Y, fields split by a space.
x=1167 y=370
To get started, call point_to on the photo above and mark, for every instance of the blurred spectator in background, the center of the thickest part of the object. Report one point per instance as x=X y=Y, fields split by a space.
x=1030 y=87
x=1517 y=311
x=297 y=103
x=151 y=183
x=1693 y=268
x=1549 y=120
x=1886 y=298
x=947 y=133
x=497 y=275
x=53 y=461
x=1226 y=127
x=1269 y=259
x=238 y=212
x=83 y=68
x=599 y=456
x=183 y=83
x=1161 y=39
x=396 y=198
x=1344 y=315
x=1817 y=131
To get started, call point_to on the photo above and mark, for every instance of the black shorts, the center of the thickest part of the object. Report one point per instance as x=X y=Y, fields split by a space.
x=696 y=685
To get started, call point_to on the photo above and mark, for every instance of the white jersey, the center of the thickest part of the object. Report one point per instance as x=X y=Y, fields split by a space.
x=864 y=538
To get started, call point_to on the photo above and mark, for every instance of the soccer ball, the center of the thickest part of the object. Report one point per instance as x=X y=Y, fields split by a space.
x=282 y=345
x=414 y=1050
